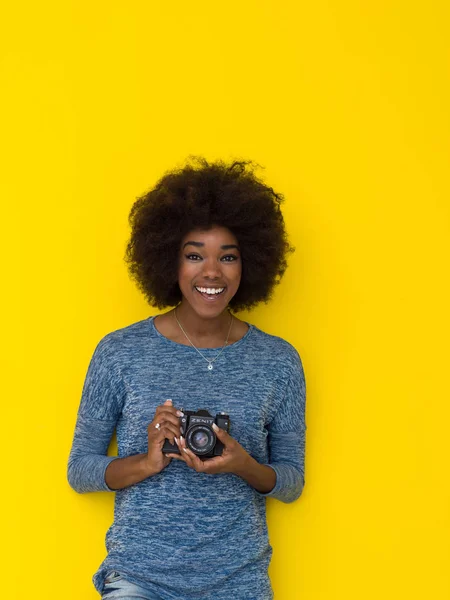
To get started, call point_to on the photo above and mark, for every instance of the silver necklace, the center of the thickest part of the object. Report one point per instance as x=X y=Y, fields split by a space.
x=209 y=361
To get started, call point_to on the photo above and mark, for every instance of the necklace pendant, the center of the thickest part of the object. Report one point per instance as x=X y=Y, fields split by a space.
x=210 y=367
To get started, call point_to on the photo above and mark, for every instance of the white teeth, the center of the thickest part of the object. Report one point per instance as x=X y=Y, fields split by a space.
x=209 y=290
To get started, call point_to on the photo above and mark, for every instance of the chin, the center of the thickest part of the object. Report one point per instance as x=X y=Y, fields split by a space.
x=208 y=310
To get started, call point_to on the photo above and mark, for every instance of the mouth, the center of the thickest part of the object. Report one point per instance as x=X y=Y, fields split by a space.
x=210 y=293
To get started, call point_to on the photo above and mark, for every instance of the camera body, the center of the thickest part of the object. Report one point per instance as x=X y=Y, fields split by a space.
x=196 y=428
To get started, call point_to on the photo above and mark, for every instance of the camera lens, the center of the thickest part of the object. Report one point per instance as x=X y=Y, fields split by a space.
x=200 y=439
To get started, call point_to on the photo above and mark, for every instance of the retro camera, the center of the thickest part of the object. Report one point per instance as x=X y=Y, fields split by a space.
x=196 y=428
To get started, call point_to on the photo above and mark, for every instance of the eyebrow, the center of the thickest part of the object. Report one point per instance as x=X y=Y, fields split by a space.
x=201 y=244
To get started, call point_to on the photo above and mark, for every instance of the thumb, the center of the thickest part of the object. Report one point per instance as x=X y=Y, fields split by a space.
x=221 y=433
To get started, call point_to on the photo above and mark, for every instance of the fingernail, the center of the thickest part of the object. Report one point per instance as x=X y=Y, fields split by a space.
x=168 y=400
x=186 y=450
x=180 y=414
x=176 y=440
x=181 y=438
x=215 y=427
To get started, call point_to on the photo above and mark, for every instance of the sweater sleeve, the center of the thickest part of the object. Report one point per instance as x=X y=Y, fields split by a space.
x=100 y=407
x=286 y=439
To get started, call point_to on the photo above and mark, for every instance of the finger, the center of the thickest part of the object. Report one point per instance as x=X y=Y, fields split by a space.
x=169 y=432
x=167 y=419
x=222 y=435
x=171 y=415
x=187 y=455
x=167 y=406
x=185 y=452
x=196 y=462
x=164 y=415
x=207 y=468
x=176 y=456
x=213 y=465
x=157 y=435
x=156 y=427
x=191 y=458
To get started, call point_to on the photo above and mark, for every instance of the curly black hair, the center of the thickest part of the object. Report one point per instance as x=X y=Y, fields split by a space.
x=199 y=196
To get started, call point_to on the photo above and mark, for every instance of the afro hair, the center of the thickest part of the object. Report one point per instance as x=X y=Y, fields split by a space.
x=199 y=196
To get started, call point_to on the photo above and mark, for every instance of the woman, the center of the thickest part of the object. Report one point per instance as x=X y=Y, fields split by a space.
x=208 y=239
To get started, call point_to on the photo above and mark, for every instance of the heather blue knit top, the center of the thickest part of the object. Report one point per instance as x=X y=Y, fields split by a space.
x=181 y=534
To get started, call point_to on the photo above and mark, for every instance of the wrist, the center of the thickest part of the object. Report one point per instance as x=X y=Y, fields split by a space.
x=261 y=477
x=246 y=466
x=147 y=468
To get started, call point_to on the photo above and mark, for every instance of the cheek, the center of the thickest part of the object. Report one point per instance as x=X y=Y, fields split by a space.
x=186 y=271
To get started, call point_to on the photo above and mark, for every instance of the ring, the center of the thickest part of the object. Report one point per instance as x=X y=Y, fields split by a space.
x=157 y=426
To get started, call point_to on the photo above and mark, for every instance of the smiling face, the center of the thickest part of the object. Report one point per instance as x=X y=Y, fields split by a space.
x=210 y=270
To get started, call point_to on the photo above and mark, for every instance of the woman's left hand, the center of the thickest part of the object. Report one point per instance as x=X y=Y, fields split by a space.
x=232 y=459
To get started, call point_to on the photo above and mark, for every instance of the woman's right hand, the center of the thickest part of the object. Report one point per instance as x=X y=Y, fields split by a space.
x=167 y=417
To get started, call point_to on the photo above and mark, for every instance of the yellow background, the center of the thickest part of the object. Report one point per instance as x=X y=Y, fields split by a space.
x=346 y=103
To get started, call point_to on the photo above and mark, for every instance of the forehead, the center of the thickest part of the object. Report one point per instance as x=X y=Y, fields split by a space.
x=215 y=236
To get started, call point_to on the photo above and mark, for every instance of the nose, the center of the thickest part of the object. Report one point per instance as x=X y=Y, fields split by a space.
x=211 y=269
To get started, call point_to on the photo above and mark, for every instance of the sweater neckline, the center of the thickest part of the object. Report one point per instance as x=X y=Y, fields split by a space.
x=162 y=337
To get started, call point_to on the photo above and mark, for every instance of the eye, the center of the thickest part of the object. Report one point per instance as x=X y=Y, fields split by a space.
x=193 y=257
x=229 y=258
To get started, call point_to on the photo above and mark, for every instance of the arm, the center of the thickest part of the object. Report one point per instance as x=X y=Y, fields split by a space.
x=286 y=440
x=260 y=477
x=123 y=472
x=100 y=407
x=234 y=459
x=89 y=467
x=283 y=476
x=90 y=470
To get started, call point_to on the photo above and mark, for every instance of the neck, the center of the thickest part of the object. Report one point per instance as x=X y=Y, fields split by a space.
x=216 y=327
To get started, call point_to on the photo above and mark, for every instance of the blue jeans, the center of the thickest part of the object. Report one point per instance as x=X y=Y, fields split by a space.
x=118 y=588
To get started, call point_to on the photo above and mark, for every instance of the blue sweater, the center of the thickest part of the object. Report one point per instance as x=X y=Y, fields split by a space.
x=181 y=534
